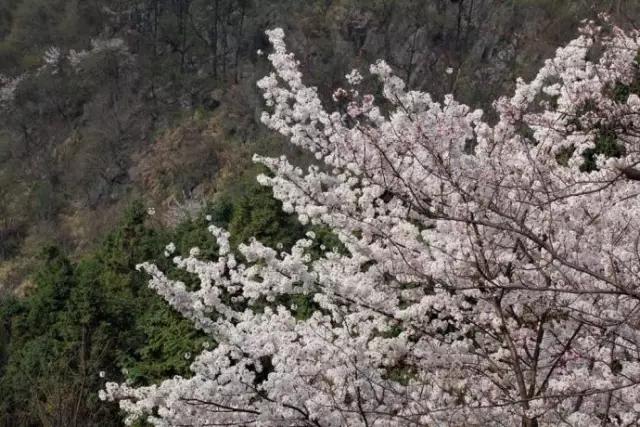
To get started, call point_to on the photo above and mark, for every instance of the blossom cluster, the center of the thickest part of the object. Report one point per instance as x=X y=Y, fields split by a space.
x=53 y=59
x=487 y=274
x=8 y=87
x=98 y=46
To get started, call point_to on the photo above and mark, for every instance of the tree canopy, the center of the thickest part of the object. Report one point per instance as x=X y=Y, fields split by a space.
x=487 y=272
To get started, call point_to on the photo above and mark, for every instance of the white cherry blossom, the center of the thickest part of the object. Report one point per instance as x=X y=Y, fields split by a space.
x=488 y=275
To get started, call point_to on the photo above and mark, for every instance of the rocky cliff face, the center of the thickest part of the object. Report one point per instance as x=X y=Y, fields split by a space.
x=117 y=99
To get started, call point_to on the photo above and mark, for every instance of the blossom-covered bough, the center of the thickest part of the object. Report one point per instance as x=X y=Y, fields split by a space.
x=53 y=60
x=489 y=273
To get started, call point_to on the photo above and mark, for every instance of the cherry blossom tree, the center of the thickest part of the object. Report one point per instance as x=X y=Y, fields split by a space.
x=488 y=270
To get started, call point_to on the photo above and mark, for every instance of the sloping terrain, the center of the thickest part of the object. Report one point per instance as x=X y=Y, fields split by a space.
x=105 y=101
x=123 y=123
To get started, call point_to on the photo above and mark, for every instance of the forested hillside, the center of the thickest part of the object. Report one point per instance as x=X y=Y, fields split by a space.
x=118 y=99
x=126 y=125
